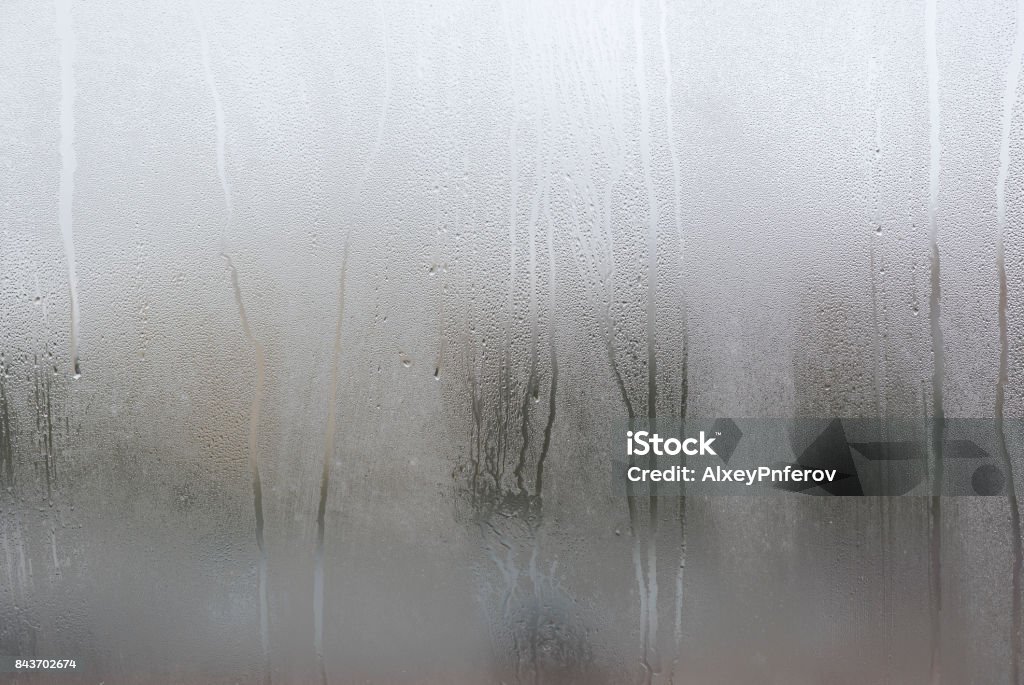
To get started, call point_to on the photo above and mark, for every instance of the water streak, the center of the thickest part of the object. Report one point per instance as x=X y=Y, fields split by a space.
x=325 y=477
x=513 y=226
x=254 y=409
x=382 y=117
x=539 y=195
x=6 y=436
x=218 y=113
x=1009 y=98
x=683 y=370
x=68 y=162
x=254 y=465
x=552 y=351
x=938 y=352
x=639 y=70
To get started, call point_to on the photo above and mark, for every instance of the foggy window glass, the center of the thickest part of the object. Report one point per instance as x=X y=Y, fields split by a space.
x=322 y=326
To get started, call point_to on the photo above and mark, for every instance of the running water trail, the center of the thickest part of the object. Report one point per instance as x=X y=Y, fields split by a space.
x=1009 y=98
x=218 y=115
x=650 y=631
x=683 y=368
x=552 y=352
x=683 y=371
x=382 y=118
x=540 y=194
x=254 y=465
x=254 y=409
x=68 y=162
x=325 y=477
x=938 y=352
x=319 y=600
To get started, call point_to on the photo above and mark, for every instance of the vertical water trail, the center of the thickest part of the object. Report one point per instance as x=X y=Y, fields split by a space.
x=218 y=115
x=592 y=42
x=513 y=143
x=683 y=371
x=669 y=138
x=552 y=352
x=876 y=223
x=938 y=353
x=531 y=384
x=325 y=476
x=505 y=363
x=68 y=162
x=876 y=335
x=535 y=627
x=1009 y=98
x=53 y=550
x=879 y=340
x=254 y=409
x=605 y=317
x=329 y=430
x=254 y=466
x=385 y=105
x=6 y=437
x=681 y=513
x=605 y=314
x=651 y=652
x=652 y=218
x=50 y=453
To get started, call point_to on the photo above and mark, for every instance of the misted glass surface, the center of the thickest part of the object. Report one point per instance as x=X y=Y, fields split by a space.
x=314 y=316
